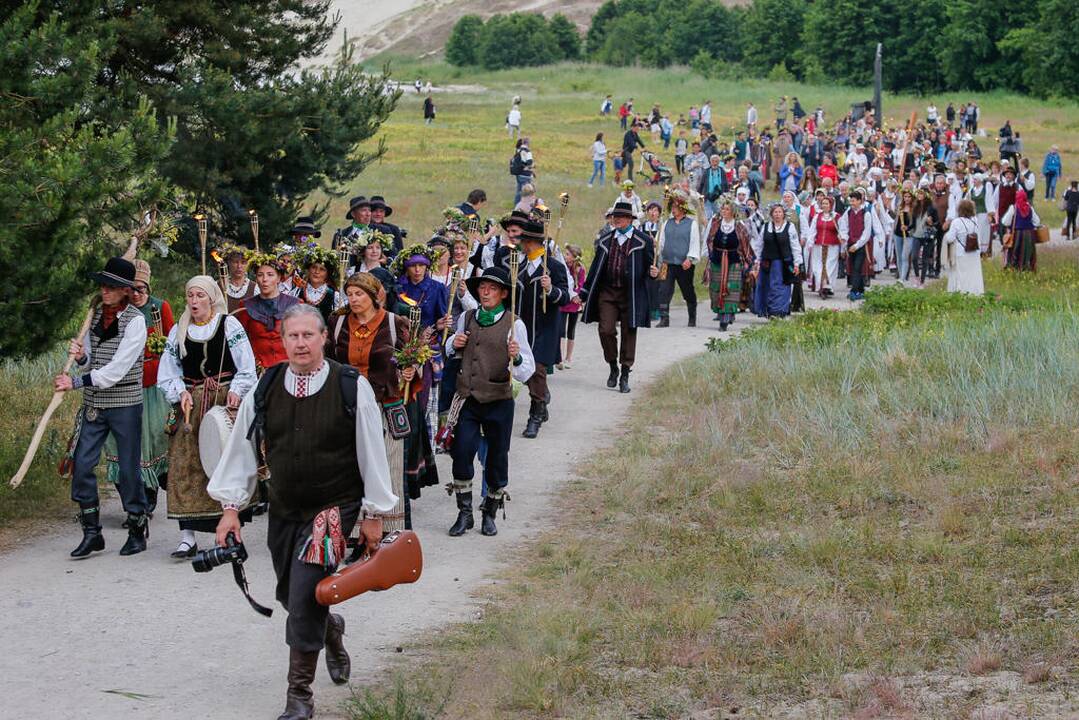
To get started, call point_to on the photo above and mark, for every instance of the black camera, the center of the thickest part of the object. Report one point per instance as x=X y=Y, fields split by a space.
x=233 y=552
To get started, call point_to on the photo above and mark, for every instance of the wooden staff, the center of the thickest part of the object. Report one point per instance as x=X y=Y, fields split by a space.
x=254 y=227
x=906 y=148
x=546 y=222
x=343 y=255
x=57 y=398
x=455 y=282
x=663 y=210
x=203 y=226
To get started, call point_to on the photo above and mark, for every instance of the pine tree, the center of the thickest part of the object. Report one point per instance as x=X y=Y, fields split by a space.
x=69 y=182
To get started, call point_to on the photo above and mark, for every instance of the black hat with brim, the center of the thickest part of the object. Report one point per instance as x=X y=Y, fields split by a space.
x=377 y=201
x=356 y=202
x=517 y=217
x=622 y=209
x=532 y=231
x=305 y=226
x=117 y=273
x=496 y=274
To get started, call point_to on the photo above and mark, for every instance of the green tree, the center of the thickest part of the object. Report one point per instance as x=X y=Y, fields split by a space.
x=565 y=36
x=620 y=47
x=69 y=182
x=517 y=40
x=598 y=28
x=771 y=32
x=463 y=41
x=1044 y=53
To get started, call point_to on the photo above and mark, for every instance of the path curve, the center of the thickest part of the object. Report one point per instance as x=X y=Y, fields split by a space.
x=77 y=634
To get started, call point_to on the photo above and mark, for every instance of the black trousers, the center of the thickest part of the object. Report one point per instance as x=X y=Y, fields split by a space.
x=684 y=279
x=680 y=164
x=1069 y=223
x=494 y=420
x=627 y=163
x=856 y=280
x=125 y=424
x=305 y=628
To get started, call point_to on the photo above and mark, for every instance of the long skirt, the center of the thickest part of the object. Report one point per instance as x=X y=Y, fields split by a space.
x=981 y=222
x=771 y=297
x=188 y=499
x=825 y=273
x=965 y=275
x=395 y=457
x=1023 y=254
x=729 y=305
x=155 y=443
x=420 y=468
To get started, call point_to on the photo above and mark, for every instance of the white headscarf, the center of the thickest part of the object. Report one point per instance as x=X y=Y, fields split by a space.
x=217 y=307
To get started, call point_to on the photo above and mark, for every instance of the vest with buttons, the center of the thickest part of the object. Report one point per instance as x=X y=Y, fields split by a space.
x=103 y=344
x=485 y=373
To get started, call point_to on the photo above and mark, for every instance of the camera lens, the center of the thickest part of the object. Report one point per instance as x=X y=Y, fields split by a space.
x=207 y=560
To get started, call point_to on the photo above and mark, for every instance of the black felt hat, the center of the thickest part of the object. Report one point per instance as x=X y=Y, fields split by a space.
x=623 y=209
x=377 y=201
x=356 y=202
x=117 y=273
x=532 y=231
x=517 y=217
x=305 y=226
x=495 y=274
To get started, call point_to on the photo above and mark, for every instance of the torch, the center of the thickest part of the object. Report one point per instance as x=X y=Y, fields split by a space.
x=515 y=268
x=254 y=216
x=455 y=282
x=203 y=225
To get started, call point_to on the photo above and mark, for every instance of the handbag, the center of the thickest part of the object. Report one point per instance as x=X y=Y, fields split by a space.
x=397 y=424
x=1009 y=237
x=397 y=560
x=1041 y=234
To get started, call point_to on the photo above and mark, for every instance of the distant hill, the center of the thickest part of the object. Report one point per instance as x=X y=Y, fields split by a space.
x=421 y=27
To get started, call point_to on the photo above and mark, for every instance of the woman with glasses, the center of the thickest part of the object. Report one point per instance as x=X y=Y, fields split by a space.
x=154 y=466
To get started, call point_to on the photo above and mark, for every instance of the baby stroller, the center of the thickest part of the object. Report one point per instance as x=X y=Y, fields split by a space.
x=660 y=173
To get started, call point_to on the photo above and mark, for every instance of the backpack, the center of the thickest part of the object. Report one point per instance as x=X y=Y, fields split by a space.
x=348 y=378
x=517 y=165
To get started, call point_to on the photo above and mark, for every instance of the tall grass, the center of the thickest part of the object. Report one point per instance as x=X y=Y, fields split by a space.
x=779 y=516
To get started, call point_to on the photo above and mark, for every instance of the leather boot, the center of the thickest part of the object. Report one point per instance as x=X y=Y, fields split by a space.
x=138 y=530
x=464 y=515
x=612 y=379
x=92 y=539
x=692 y=315
x=623 y=380
x=300 y=701
x=535 y=419
x=664 y=316
x=490 y=508
x=338 y=663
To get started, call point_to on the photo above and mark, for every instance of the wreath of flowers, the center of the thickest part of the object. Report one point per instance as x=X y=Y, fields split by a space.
x=256 y=259
x=455 y=216
x=227 y=247
x=398 y=265
x=311 y=253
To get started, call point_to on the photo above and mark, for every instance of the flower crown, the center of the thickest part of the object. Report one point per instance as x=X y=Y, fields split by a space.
x=311 y=253
x=256 y=259
x=398 y=266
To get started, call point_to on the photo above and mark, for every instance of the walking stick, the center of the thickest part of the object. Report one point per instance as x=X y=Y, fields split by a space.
x=455 y=282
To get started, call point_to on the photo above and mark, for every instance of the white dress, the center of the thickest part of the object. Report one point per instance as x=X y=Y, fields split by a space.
x=964 y=268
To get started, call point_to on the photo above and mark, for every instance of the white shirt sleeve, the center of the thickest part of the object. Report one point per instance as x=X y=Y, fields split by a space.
x=129 y=352
x=378 y=497
x=170 y=375
x=796 y=245
x=234 y=479
x=242 y=356
x=844 y=230
x=694 y=253
x=524 y=371
x=451 y=351
x=1008 y=215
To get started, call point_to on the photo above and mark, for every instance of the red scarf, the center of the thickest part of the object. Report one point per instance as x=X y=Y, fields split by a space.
x=109 y=312
x=1022 y=205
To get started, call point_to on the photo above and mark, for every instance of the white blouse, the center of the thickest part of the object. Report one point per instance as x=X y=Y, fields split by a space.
x=170 y=373
x=235 y=478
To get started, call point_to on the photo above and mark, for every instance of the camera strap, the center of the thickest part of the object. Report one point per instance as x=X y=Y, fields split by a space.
x=240 y=577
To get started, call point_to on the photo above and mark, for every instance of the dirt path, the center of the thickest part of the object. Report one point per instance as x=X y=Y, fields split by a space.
x=79 y=634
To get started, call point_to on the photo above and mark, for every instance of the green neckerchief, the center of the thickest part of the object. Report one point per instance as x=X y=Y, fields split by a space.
x=361 y=228
x=486 y=318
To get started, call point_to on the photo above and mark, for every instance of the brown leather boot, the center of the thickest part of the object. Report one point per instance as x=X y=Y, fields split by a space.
x=338 y=663
x=300 y=701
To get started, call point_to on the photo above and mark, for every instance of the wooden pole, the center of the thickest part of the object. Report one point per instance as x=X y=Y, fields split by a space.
x=203 y=226
x=254 y=227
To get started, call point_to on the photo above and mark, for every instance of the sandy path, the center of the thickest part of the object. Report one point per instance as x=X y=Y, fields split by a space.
x=74 y=630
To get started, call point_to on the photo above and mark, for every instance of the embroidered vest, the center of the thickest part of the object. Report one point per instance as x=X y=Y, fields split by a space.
x=104 y=344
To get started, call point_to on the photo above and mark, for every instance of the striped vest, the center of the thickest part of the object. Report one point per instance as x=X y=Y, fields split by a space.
x=128 y=391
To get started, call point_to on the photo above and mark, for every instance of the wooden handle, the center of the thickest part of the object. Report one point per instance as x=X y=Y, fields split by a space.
x=57 y=399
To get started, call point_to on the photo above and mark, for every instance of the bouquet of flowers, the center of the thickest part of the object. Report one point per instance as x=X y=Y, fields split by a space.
x=155 y=342
x=415 y=353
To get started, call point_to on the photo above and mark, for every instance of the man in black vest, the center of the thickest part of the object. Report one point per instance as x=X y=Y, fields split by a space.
x=542 y=323
x=493 y=346
x=109 y=366
x=615 y=292
x=321 y=431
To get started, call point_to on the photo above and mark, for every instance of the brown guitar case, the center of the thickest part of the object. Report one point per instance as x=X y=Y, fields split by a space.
x=398 y=559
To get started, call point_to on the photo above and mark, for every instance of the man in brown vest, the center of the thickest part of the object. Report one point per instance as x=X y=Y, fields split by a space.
x=493 y=345
x=321 y=430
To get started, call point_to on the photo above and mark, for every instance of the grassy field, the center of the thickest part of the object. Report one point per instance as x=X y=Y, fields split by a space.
x=871 y=517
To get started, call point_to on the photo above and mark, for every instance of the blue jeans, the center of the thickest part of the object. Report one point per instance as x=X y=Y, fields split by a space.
x=125 y=424
x=522 y=180
x=599 y=167
x=1051 y=186
x=902 y=256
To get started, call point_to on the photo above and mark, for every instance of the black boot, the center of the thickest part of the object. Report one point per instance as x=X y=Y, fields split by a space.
x=723 y=327
x=464 y=515
x=138 y=529
x=337 y=660
x=623 y=380
x=664 y=316
x=92 y=539
x=612 y=379
x=489 y=508
x=535 y=419
x=300 y=701
x=692 y=315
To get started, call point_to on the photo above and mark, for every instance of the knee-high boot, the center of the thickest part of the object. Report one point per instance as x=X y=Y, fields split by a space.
x=300 y=701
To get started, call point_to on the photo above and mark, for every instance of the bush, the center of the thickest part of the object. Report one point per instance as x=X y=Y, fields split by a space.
x=514 y=40
x=463 y=41
x=780 y=73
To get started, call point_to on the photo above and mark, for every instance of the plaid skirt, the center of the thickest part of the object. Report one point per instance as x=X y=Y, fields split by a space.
x=733 y=296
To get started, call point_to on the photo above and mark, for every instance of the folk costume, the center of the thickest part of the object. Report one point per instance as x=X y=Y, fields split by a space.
x=209 y=361
x=321 y=436
x=615 y=293
x=856 y=229
x=778 y=252
x=484 y=402
x=1022 y=221
x=370 y=347
x=235 y=293
x=729 y=254
x=823 y=236
x=261 y=316
x=324 y=296
x=541 y=324
x=154 y=467
x=679 y=241
x=110 y=376
x=983 y=195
